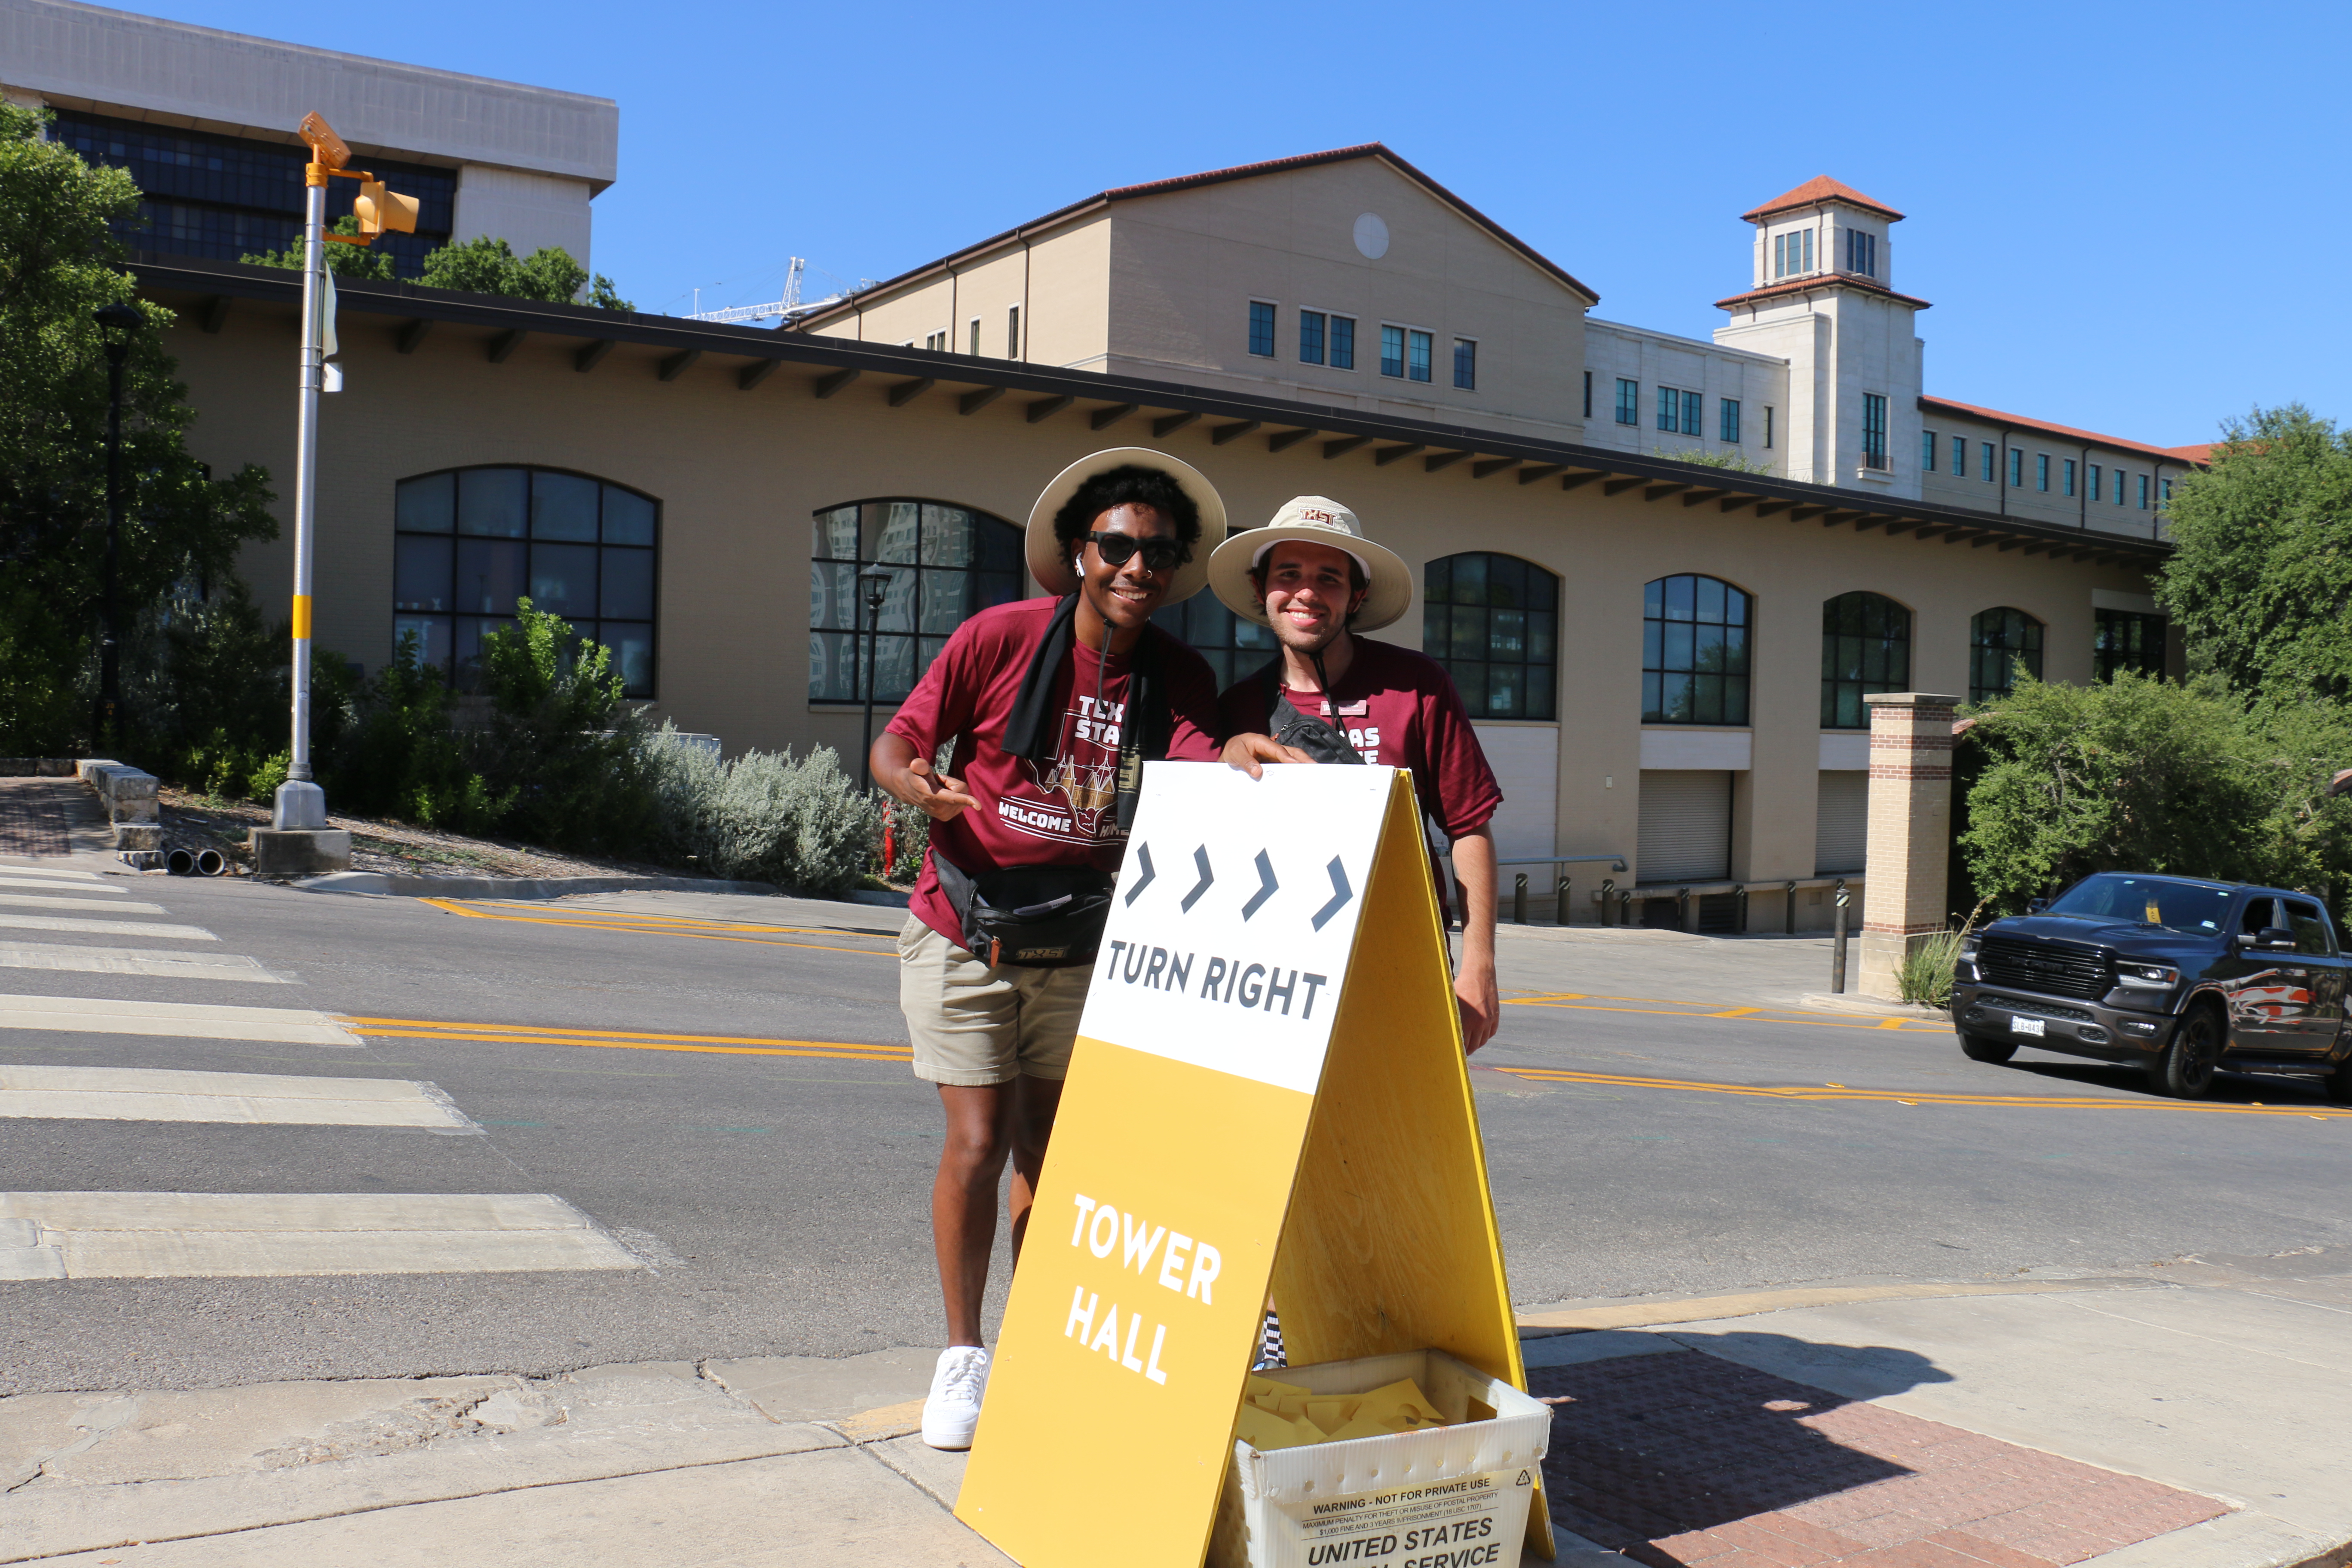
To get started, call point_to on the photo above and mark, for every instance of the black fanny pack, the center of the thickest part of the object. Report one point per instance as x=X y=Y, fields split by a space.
x=1029 y=917
x=1313 y=734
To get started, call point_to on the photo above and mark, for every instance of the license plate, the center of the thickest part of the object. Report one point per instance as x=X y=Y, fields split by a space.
x=2025 y=1026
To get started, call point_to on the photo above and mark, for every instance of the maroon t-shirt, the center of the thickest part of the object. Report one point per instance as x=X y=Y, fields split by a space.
x=1400 y=711
x=1064 y=814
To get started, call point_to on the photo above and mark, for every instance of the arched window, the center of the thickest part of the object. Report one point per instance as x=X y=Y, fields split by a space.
x=1492 y=621
x=1695 y=634
x=1996 y=640
x=1865 y=648
x=468 y=542
x=951 y=562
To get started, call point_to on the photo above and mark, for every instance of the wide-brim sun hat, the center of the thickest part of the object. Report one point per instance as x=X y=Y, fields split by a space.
x=1050 y=563
x=1312 y=520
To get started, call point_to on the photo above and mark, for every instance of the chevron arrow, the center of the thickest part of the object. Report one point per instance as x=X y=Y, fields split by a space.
x=1340 y=893
x=1200 y=860
x=1143 y=855
x=1266 y=884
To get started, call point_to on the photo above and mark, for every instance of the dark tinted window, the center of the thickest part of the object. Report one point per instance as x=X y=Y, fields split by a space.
x=1492 y=621
x=948 y=563
x=2147 y=900
x=2310 y=928
x=579 y=547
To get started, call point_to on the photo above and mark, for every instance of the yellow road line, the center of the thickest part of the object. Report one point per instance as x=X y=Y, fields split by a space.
x=1756 y=1014
x=639 y=928
x=620 y=1039
x=640 y=917
x=1807 y=1092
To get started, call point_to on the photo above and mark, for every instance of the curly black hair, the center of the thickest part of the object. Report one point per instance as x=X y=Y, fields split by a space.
x=1129 y=484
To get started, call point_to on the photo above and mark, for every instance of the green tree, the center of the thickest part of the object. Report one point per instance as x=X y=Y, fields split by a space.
x=487 y=266
x=2259 y=581
x=58 y=263
x=343 y=260
x=2140 y=775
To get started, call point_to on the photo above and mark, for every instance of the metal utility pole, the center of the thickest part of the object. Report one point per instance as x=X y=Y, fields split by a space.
x=301 y=802
x=118 y=321
x=876 y=579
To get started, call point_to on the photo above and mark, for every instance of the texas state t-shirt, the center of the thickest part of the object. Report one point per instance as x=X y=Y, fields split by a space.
x=1399 y=709
x=1062 y=813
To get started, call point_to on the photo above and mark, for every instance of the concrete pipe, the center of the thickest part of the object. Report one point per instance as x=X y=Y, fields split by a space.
x=211 y=863
x=180 y=863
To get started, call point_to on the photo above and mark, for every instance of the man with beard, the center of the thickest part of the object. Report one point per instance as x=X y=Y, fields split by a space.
x=1053 y=706
x=1337 y=696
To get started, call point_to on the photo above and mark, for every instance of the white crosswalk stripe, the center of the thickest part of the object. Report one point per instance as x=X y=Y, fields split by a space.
x=92 y=886
x=104 y=927
x=166 y=1094
x=163 y=1236
x=50 y=901
x=150 y=961
x=188 y=1020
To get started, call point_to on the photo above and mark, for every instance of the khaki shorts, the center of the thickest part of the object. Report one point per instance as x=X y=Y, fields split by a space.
x=971 y=1027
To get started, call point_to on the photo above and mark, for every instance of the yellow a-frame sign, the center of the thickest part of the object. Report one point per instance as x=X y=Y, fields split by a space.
x=1268 y=1092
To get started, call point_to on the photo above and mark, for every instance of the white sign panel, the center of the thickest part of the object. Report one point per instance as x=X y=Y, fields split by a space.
x=1230 y=930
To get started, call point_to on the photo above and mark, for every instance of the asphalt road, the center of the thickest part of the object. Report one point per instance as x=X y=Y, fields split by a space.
x=780 y=1195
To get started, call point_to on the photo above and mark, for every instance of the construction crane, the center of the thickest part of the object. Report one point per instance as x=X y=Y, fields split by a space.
x=790 y=307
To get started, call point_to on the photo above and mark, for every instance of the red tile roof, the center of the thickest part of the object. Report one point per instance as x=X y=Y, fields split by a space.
x=2202 y=454
x=2090 y=437
x=1813 y=193
x=1822 y=280
x=1217 y=177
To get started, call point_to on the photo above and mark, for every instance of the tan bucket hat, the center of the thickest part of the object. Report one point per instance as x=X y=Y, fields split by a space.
x=1051 y=566
x=1314 y=520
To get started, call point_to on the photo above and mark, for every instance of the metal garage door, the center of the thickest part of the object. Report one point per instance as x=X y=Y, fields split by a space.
x=1841 y=832
x=1686 y=833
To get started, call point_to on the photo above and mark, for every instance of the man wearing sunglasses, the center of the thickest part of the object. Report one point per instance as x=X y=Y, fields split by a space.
x=1052 y=705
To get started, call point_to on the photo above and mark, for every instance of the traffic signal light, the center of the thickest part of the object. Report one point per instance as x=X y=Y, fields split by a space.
x=380 y=211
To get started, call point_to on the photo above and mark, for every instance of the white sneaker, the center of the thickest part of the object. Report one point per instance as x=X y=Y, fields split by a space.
x=952 y=1412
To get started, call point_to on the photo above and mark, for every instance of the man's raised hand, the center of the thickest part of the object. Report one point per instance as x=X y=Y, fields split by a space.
x=940 y=796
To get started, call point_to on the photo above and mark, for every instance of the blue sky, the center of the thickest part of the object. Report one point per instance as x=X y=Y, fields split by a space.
x=2129 y=217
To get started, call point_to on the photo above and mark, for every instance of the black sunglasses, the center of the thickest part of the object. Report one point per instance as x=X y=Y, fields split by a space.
x=1158 y=555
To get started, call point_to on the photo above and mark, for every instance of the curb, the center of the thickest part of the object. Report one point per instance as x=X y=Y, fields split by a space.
x=398 y=886
x=1828 y=1003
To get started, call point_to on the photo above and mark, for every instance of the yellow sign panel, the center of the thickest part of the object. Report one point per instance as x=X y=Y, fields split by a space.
x=1268 y=1091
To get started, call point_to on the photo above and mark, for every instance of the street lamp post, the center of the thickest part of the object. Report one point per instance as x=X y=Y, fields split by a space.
x=876 y=579
x=118 y=321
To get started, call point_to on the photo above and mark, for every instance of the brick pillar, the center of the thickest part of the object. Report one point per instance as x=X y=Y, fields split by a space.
x=1910 y=831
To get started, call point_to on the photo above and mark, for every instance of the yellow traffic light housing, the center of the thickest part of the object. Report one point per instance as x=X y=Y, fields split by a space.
x=326 y=147
x=380 y=211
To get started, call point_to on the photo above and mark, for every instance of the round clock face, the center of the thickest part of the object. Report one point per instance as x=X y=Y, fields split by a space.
x=1372 y=236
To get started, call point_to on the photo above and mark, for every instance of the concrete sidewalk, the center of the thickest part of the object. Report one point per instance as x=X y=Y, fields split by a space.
x=2190 y=1416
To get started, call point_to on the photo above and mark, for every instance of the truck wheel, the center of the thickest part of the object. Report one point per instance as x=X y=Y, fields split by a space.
x=1984 y=1048
x=2184 y=1068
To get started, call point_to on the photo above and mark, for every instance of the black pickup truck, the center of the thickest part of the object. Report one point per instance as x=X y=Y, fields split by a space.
x=2183 y=976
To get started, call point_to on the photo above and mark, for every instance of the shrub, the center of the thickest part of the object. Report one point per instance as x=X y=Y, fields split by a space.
x=764 y=816
x=910 y=836
x=562 y=750
x=398 y=754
